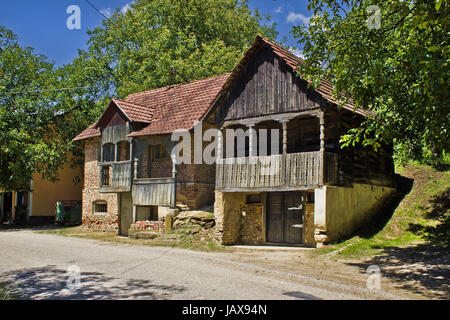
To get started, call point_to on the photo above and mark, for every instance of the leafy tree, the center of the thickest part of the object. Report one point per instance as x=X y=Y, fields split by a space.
x=24 y=114
x=198 y=38
x=42 y=108
x=398 y=69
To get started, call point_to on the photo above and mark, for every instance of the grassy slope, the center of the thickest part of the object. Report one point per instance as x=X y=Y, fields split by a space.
x=422 y=217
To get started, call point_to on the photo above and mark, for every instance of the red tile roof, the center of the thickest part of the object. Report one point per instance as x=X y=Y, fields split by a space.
x=136 y=113
x=90 y=132
x=179 y=106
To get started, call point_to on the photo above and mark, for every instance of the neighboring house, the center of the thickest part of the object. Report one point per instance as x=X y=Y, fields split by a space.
x=128 y=169
x=38 y=204
x=302 y=189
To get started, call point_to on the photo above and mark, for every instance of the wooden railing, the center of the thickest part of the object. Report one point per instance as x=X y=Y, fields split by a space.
x=154 y=192
x=115 y=177
x=285 y=171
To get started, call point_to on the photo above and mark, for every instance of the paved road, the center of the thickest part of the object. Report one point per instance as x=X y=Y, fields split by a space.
x=38 y=263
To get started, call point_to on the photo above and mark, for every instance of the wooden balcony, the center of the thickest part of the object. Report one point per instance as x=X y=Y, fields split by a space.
x=115 y=177
x=154 y=192
x=282 y=172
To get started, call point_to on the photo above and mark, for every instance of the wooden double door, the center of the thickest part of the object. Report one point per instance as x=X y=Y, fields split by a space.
x=284 y=214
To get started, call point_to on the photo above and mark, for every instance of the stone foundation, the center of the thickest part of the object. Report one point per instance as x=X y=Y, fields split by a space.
x=238 y=222
x=108 y=221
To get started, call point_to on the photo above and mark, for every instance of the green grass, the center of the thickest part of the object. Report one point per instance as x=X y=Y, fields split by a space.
x=181 y=238
x=7 y=292
x=422 y=217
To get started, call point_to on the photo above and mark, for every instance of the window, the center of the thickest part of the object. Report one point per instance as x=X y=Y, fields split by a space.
x=105 y=176
x=146 y=213
x=123 y=151
x=253 y=199
x=157 y=152
x=108 y=152
x=100 y=207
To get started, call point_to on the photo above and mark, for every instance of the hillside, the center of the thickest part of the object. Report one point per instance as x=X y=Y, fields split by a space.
x=410 y=240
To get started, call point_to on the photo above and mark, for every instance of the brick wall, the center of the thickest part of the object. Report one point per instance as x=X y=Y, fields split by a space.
x=108 y=221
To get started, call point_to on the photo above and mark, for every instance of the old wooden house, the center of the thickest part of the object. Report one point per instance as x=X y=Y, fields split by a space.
x=298 y=188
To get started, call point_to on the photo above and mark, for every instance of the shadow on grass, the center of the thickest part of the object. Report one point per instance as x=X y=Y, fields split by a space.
x=423 y=269
x=439 y=234
x=385 y=213
x=49 y=282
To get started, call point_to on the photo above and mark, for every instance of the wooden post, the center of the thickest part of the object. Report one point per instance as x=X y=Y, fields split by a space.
x=134 y=214
x=174 y=176
x=116 y=152
x=252 y=152
x=284 y=124
x=322 y=147
x=131 y=157
x=219 y=146
x=136 y=161
x=101 y=152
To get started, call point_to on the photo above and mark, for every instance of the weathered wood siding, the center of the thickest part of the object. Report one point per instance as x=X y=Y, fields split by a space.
x=284 y=171
x=154 y=192
x=267 y=86
x=357 y=164
x=115 y=134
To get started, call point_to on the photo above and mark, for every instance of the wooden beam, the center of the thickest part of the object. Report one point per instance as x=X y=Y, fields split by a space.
x=275 y=117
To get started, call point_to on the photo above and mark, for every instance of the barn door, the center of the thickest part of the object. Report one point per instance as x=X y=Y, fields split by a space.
x=275 y=217
x=293 y=217
x=285 y=217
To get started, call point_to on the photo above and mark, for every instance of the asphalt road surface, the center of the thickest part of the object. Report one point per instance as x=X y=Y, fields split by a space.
x=45 y=267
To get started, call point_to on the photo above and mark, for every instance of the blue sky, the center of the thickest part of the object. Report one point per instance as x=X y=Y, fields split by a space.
x=42 y=24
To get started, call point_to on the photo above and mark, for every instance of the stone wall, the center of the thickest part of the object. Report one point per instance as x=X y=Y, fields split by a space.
x=108 y=221
x=238 y=222
x=195 y=195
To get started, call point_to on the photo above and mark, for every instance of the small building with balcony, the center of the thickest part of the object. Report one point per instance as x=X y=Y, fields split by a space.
x=129 y=174
x=288 y=181
x=279 y=174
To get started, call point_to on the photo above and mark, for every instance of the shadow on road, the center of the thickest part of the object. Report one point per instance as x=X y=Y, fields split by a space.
x=423 y=269
x=300 y=295
x=49 y=282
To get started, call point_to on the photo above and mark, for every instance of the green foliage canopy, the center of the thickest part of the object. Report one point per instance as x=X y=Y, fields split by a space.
x=398 y=69
x=129 y=52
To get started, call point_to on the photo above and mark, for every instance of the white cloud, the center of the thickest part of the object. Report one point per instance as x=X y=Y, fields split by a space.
x=125 y=8
x=109 y=11
x=297 y=17
x=298 y=53
x=280 y=9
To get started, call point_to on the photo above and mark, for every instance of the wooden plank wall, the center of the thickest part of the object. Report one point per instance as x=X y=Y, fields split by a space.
x=154 y=192
x=267 y=86
x=279 y=171
x=358 y=164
